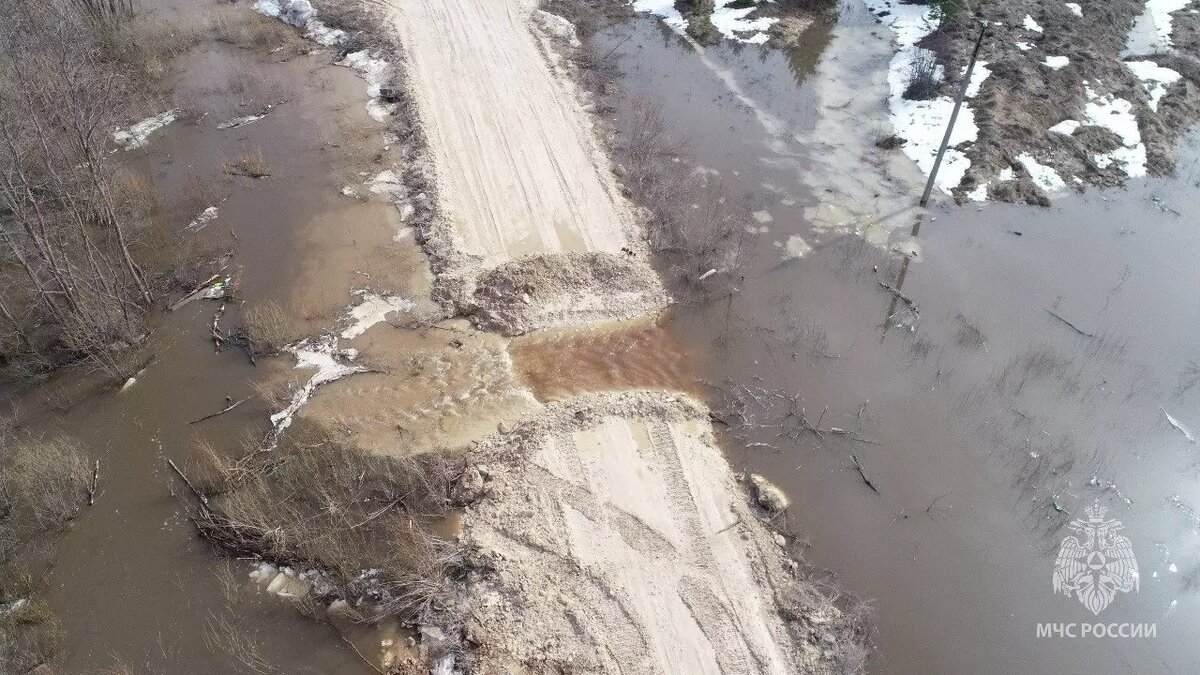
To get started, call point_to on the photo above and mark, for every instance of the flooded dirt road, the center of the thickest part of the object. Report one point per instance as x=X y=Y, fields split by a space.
x=1032 y=375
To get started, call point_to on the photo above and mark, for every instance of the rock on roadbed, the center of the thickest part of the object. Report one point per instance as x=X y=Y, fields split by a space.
x=769 y=497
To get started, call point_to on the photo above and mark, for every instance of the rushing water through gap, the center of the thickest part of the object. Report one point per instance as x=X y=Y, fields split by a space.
x=1049 y=346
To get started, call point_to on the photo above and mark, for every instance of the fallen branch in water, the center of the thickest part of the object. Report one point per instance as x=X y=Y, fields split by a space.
x=378 y=513
x=863 y=473
x=226 y=409
x=199 y=494
x=912 y=304
x=360 y=655
x=218 y=335
x=95 y=483
x=1072 y=326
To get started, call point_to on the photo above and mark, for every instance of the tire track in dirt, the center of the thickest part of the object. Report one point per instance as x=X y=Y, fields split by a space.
x=614 y=520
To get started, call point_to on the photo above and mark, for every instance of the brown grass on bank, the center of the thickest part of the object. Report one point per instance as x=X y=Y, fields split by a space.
x=313 y=503
x=250 y=163
x=43 y=484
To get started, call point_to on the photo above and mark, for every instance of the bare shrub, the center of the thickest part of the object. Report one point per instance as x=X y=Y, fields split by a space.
x=923 y=77
x=314 y=504
x=250 y=163
x=266 y=327
x=106 y=10
x=43 y=483
x=224 y=635
x=589 y=17
x=693 y=223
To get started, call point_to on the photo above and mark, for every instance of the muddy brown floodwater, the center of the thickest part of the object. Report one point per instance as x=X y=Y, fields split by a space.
x=988 y=422
x=131 y=583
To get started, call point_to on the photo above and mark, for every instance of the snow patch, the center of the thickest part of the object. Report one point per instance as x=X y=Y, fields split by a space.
x=796 y=247
x=1056 y=62
x=1066 y=127
x=1151 y=31
x=557 y=26
x=1032 y=25
x=323 y=35
x=663 y=9
x=294 y=12
x=1023 y=46
x=733 y=23
x=978 y=75
x=376 y=72
x=371 y=310
x=922 y=123
x=1043 y=176
x=1155 y=79
x=979 y=194
x=1075 y=8
x=1007 y=173
x=1116 y=115
x=135 y=136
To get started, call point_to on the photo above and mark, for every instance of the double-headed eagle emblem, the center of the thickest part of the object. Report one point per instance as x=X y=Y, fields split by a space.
x=1097 y=564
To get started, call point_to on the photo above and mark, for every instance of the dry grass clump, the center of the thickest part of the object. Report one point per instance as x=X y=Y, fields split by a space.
x=313 y=503
x=265 y=327
x=250 y=163
x=29 y=634
x=251 y=30
x=43 y=482
x=923 y=80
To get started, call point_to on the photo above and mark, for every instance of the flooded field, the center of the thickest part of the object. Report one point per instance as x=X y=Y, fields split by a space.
x=1022 y=367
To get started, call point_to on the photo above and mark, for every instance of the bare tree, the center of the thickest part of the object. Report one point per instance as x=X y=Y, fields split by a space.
x=62 y=227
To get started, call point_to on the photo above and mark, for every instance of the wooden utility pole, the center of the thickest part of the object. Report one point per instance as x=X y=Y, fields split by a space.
x=962 y=93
